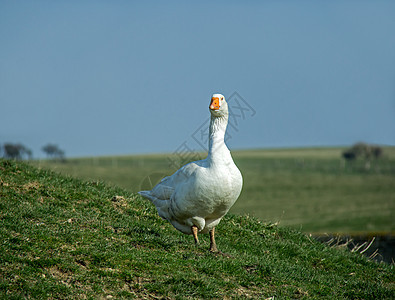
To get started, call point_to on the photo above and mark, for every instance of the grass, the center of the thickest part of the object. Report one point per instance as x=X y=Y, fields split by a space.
x=66 y=238
x=312 y=190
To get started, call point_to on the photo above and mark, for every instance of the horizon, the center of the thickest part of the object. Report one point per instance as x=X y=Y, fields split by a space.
x=237 y=150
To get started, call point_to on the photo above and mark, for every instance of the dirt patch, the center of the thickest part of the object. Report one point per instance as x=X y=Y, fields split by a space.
x=119 y=203
x=34 y=185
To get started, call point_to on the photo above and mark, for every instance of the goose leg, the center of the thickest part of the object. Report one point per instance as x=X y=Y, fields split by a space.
x=195 y=232
x=213 y=245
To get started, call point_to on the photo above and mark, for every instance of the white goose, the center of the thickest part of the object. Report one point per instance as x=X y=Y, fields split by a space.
x=196 y=197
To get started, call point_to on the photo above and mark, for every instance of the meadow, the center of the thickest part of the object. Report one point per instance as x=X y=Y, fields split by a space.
x=65 y=238
x=313 y=190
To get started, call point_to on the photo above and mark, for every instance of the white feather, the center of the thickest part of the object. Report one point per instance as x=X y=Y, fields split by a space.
x=201 y=192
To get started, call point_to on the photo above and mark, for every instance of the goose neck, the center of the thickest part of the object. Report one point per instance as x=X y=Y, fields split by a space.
x=217 y=135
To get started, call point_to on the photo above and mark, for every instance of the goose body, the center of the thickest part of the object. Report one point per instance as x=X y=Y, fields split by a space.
x=198 y=195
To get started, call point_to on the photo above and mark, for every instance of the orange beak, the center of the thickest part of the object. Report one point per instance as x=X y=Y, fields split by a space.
x=214 y=105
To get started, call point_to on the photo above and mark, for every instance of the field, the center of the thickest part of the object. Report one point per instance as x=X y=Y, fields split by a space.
x=313 y=190
x=64 y=238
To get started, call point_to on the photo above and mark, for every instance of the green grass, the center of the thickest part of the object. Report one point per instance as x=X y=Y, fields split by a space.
x=312 y=190
x=66 y=238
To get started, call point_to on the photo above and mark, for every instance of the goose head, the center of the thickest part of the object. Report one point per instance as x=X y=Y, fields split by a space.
x=218 y=106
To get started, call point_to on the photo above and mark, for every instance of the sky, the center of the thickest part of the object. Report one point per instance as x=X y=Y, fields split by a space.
x=127 y=77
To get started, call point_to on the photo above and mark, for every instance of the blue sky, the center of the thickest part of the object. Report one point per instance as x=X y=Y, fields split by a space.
x=121 y=77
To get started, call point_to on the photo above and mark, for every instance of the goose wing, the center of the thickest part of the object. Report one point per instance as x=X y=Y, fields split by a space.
x=167 y=186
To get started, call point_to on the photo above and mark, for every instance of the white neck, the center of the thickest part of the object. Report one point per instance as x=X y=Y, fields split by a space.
x=217 y=150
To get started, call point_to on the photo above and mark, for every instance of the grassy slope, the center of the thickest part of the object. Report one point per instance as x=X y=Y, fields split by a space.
x=65 y=238
x=309 y=189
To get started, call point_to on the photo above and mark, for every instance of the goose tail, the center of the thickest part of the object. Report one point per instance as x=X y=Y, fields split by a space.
x=160 y=204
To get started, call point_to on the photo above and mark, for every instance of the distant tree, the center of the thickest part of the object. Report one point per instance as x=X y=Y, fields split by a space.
x=377 y=152
x=50 y=149
x=363 y=151
x=349 y=155
x=53 y=151
x=16 y=151
x=11 y=151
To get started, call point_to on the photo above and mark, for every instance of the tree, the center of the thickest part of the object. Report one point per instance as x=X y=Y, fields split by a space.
x=53 y=151
x=363 y=151
x=377 y=152
x=11 y=151
x=16 y=151
x=349 y=155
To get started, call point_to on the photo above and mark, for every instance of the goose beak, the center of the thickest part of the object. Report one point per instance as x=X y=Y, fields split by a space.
x=214 y=105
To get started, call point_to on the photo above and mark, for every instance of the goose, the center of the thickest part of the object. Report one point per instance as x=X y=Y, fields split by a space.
x=198 y=195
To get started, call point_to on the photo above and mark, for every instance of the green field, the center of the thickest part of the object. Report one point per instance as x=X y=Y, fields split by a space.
x=64 y=238
x=313 y=190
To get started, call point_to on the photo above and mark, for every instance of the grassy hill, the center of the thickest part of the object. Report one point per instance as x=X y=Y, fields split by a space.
x=313 y=189
x=66 y=238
